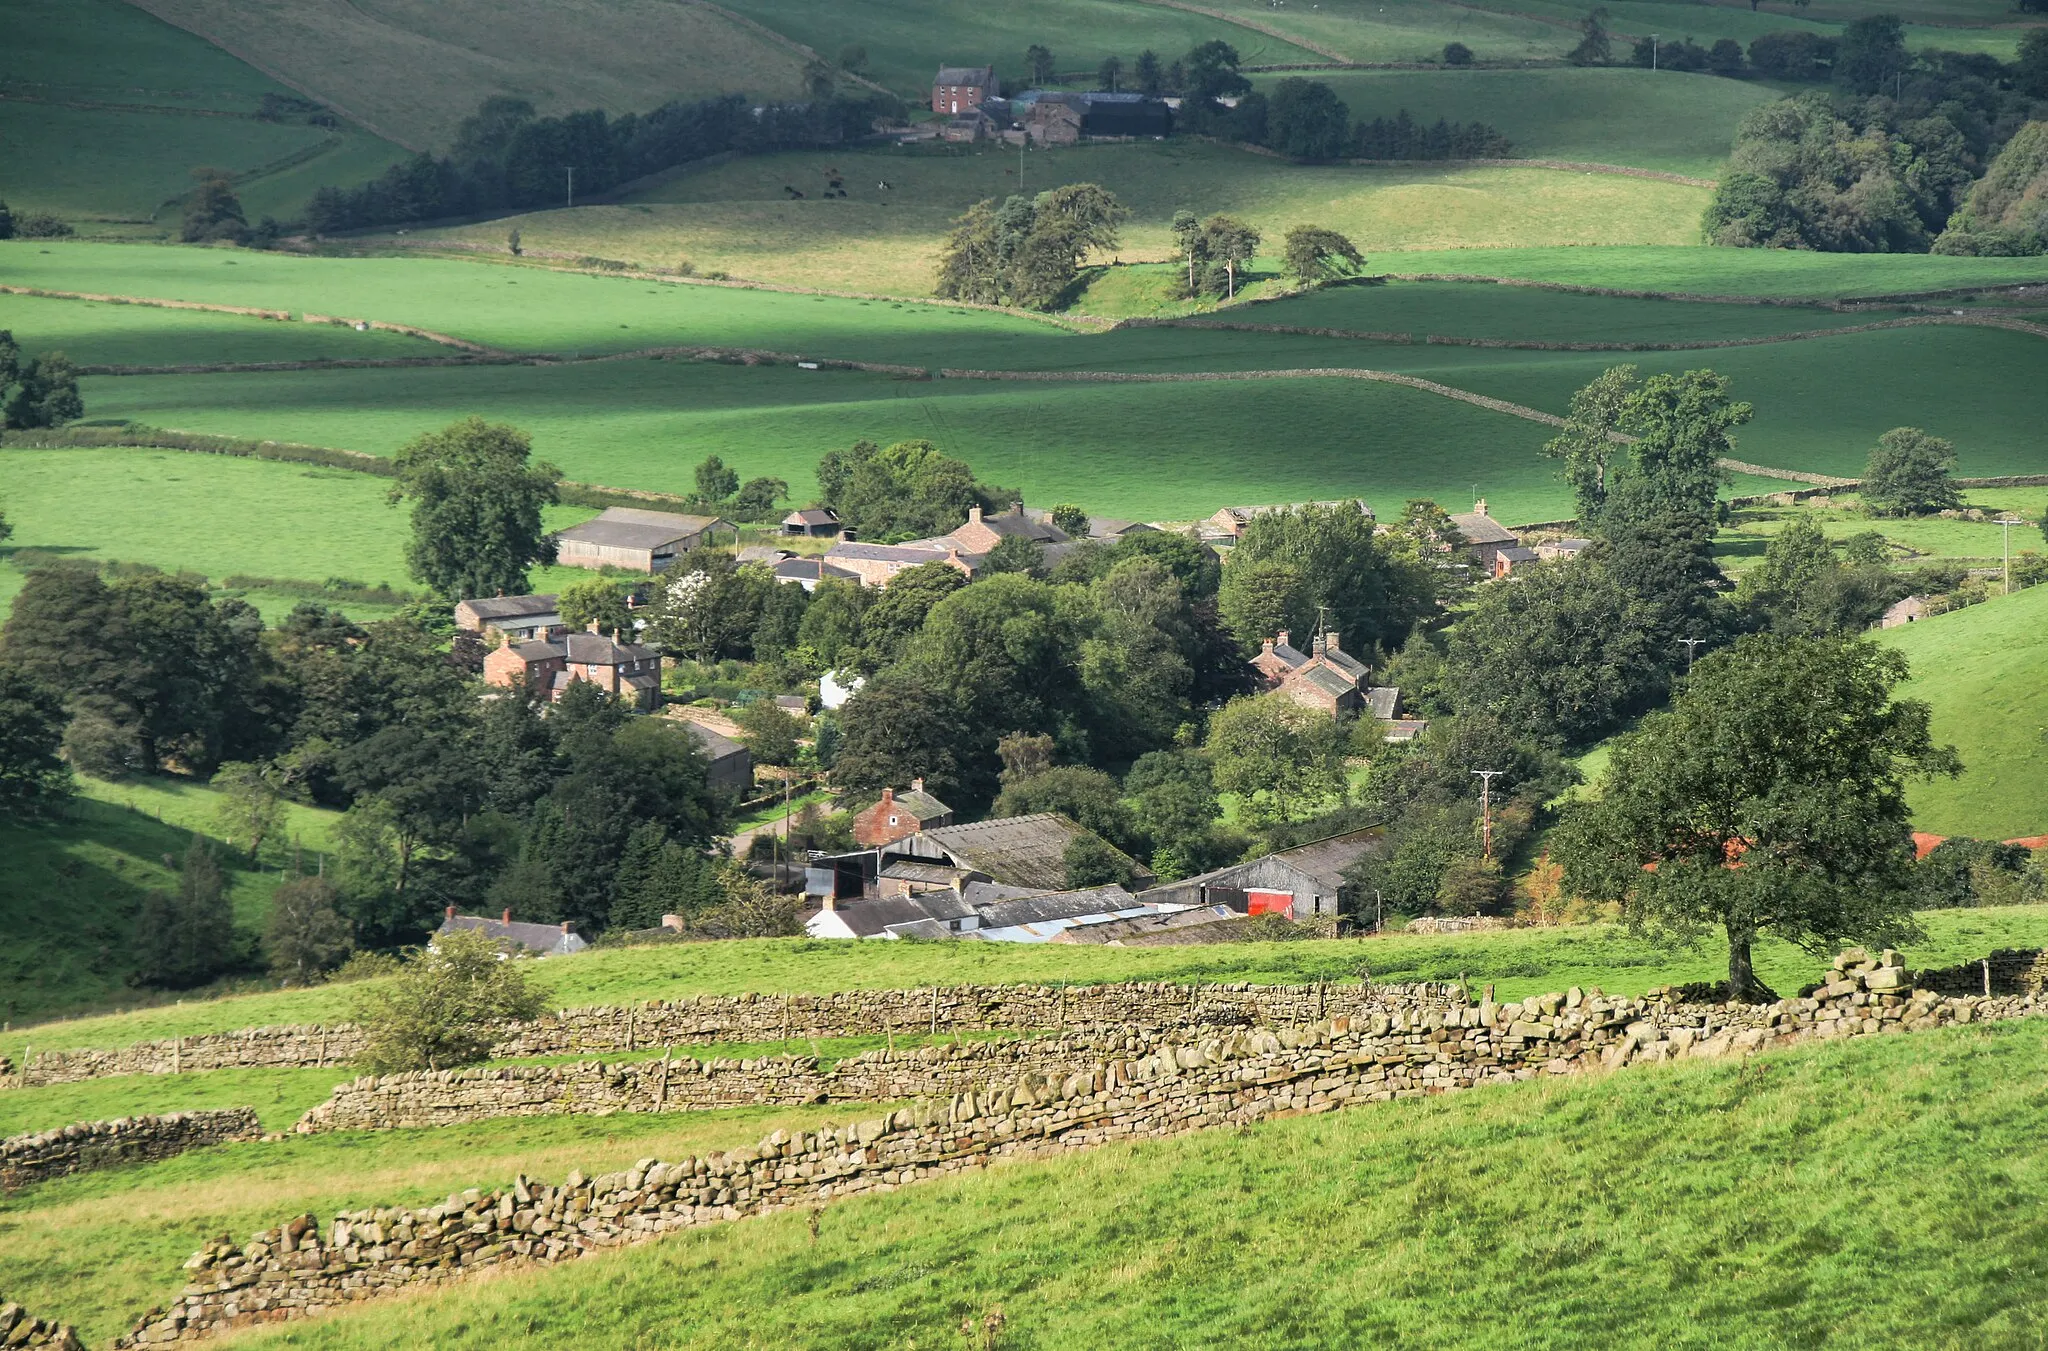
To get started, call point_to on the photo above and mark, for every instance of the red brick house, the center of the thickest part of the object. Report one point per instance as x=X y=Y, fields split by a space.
x=895 y=818
x=629 y=671
x=1325 y=677
x=962 y=89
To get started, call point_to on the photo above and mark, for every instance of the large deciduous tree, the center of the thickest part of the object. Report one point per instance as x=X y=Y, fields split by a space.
x=1027 y=251
x=36 y=391
x=1769 y=799
x=476 y=517
x=34 y=782
x=1284 y=761
x=1306 y=119
x=1316 y=255
x=1909 y=475
x=1323 y=562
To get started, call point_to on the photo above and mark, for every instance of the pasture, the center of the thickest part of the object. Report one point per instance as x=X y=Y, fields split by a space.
x=906 y=43
x=95 y=333
x=1674 y=19
x=1774 y=273
x=109 y=109
x=1984 y=670
x=1640 y=118
x=1406 y=30
x=1689 y=1205
x=739 y=217
x=410 y=70
x=1978 y=543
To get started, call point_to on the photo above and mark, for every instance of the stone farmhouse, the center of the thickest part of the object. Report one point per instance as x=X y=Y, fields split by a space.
x=524 y=618
x=962 y=89
x=542 y=940
x=1326 y=677
x=963 y=548
x=1484 y=537
x=1227 y=525
x=628 y=671
x=636 y=540
x=897 y=816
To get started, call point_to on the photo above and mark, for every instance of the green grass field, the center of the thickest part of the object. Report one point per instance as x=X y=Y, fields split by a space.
x=1674 y=19
x=905 y=43
x=95 y=334
x=412 y=70
x=71 y=889
x=1980 y=543
x=108 y=109
x=1406 y=30
x=1984 y=670
x=738 y=218
x=1634 y=117
x=1520 y=962
x=1694 y=1205
x=1781 y=273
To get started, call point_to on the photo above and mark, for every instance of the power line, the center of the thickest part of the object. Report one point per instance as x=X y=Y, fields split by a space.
x=1486 y=808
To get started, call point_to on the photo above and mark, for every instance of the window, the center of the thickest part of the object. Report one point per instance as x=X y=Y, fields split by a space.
x=892 y=820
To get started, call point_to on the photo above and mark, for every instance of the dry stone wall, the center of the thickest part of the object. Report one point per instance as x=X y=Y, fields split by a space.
x=710 y=1019
x=87 y=1145
x=18 y=1328
x=1240 y=1075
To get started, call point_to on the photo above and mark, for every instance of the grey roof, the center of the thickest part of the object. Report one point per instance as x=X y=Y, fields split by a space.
x=714 y=745
x=598 y=649
x=1346 y=663
x=631 y=528
x=536 y=649
x=1139 y=926
x=1517 y=554
x=1290 y=654
x=912 y=870
x=1383 y=701
x=1024 y=851
x=541 y=938
x=870 y=917
x=1567 y=546
x=976 y=75
x=1014 y=525
x=981 y=895
x=1479 y=528
x=1056 y=905
x=513 y=607
x=1099 y=527
x=888 y=553
x=916 y=802
x=1325 y=679
x=813 y=516
x=792 y=703
x=812 y=569
x=1406 y=729
x=1326 y=860
x=762 y=553
x=929 y=929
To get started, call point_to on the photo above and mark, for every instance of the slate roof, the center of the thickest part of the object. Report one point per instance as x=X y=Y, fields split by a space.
x=1346 y=663
x=1290 y=654
x=911 y=870
x=1383 y=701
x=1323 y=678
x=812 y=516
x=1099 y=527
x=1022 y=851
x=812 y=569
x=1479 y=528
x=714 y=745
x=541 y=938
x=916 y=802
x=1139 y=926
x=966 y=75
x=1518 y=554
x=762 y=553
x=631 y=528
x=870 y=917
x=536 y=649
x=513 y=607
x=887 y=553
x=1406 y=729
x=598 y=649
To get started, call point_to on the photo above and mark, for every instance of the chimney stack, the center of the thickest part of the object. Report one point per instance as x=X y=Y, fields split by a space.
x=508 y=914
x=1330 y=642
x=846 y=537
x=827 y=904
x=917 y=785
x=1266 y=648
x=888 y=796
x=591 y=626
x=974 y=515
x=1315 y=645
x=1479 y=506
x=450 y=912
x=565 y=927
x=1282 y=639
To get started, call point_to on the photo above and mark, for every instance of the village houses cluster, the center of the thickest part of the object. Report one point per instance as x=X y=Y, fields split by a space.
x=915 y=872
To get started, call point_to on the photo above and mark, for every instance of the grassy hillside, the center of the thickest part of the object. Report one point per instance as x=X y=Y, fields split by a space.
x=1985 y=672
x=70 y=891
x=94 y=334
x=1406 y=30
x=1521 y=962
x=1978 y=543
x=1635 y=117
x=1692 y=1205
x=738 y=218
x=107 y=110
x=1933 y=25
x=413 y=69
x=906 y=43
x=1728 y=272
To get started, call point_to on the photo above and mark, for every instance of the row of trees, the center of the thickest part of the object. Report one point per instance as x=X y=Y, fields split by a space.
x=506 y=157
x=36 y=391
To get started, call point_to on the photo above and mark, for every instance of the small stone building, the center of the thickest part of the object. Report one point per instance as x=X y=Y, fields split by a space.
x=1484 y=536
x=816 y=521
x=1911 y=610
x=522 y=618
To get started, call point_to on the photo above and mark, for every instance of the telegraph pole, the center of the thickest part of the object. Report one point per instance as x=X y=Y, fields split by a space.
x=2009 y=521
x=1653 y=51
x=572 y=184
x=1691 y=648
x=1486 y=808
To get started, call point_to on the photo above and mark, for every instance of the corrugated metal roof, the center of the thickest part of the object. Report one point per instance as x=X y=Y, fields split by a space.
x=1056 y=905
x=1023 y=851
x=631 y=528
x=508 y=607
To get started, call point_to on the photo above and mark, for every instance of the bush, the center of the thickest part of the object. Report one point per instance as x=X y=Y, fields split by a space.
x=752 y=909
x=1457 y=54
x=41 y=225
x=307 y=936
x=186 y=937
x=447 y=1005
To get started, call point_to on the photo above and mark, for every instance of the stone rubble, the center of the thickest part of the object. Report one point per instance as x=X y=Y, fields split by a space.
x=18 y=1329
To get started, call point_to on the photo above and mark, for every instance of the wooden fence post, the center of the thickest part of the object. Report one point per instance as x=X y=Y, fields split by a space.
x=1987 y=977
x=935 y=1010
